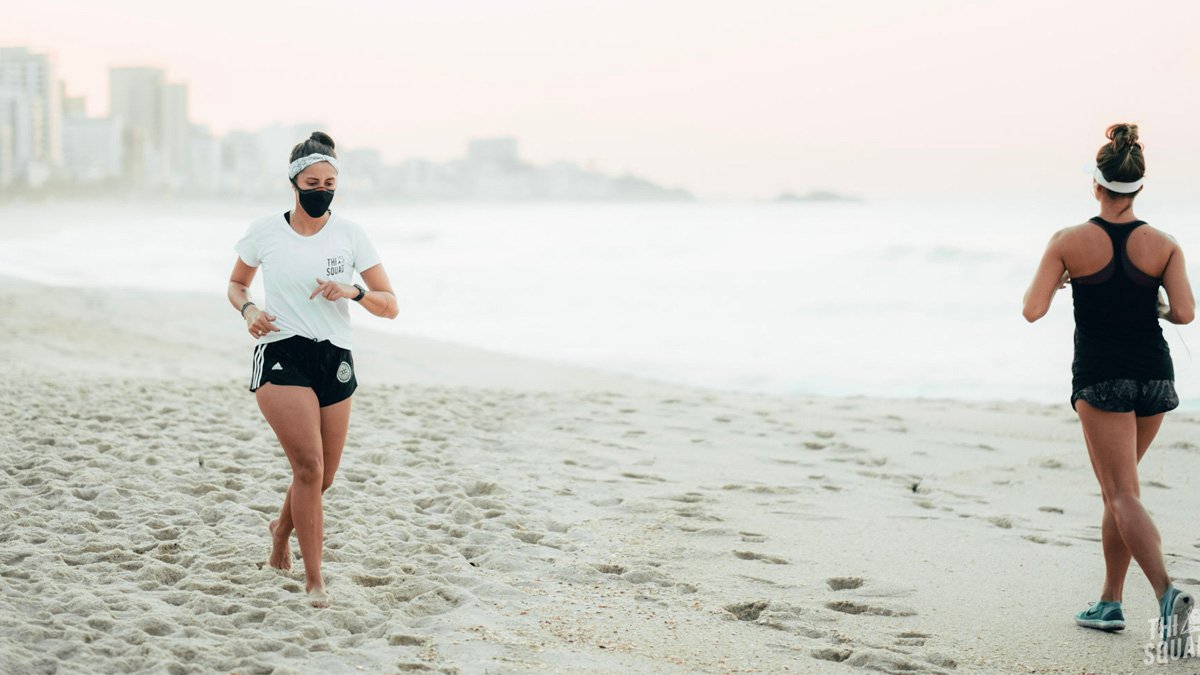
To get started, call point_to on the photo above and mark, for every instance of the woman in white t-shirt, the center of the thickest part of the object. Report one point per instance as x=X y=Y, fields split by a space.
x=302 y=372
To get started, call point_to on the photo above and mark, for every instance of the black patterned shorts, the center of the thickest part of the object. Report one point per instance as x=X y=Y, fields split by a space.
x=1143 y=397
x=300 y=362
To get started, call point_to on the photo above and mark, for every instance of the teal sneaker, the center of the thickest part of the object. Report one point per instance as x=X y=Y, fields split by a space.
x=1174 y=613
x=1102 y=615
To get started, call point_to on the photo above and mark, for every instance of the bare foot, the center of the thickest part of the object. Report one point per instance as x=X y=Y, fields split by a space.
x=318 y=597
x=281 y=550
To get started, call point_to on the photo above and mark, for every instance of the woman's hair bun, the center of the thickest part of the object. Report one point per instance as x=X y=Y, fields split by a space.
x=1122 y=159
x=325 y=139
x=319 y=142
x=1123 y=136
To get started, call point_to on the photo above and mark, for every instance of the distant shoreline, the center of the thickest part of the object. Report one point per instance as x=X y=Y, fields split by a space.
x=149 y=198
x=814 y=196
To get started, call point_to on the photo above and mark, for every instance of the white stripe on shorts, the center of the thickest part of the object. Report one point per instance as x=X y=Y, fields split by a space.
x=256 y=371
x=253 y=365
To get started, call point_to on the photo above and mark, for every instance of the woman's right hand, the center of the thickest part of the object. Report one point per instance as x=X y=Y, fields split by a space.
x=258 y=322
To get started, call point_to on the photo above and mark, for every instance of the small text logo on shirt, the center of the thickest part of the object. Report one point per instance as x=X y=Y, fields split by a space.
x=335 y=265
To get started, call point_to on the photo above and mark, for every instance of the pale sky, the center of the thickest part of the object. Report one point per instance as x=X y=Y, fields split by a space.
x=731 y=99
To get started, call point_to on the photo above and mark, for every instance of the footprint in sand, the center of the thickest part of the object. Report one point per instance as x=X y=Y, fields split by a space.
x=849 y=607
x=643 y=476
x=911 y=638
x=405 y=640
x=831 y=654
x=751 y=555
x=697 y=513
x=747 y=611
x=687 y=497
x=368 y=581
x=844 y=583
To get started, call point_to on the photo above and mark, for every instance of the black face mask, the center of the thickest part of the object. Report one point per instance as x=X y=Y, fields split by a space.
x=314 y=202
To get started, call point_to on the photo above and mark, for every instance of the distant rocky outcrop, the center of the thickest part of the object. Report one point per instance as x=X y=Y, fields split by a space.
x=814 y=196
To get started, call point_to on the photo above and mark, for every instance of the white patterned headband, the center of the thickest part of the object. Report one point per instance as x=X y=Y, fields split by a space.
x=303 y=163
x=1116 y=186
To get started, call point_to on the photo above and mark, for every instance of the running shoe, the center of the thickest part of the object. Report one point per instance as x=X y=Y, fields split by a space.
x=1102 y=615
x=1174 y=611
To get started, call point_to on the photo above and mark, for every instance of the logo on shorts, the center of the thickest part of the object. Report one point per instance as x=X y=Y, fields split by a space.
x=344 y=372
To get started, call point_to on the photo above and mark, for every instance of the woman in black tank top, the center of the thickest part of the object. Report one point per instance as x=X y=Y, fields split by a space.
x=1123 y=379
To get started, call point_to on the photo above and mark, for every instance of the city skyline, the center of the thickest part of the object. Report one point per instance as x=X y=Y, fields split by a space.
x=871 y=98
x=147 y=143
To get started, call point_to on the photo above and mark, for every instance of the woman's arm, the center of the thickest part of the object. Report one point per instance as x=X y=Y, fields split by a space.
x=379 y=299
x=239 y=284
x=258 y=322
x=1182 y=304
x=1051 y=275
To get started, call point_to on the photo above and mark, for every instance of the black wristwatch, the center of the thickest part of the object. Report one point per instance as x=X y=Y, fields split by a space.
x=361 y=292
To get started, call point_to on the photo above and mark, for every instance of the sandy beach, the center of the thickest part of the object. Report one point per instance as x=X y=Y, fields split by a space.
x=496 y=514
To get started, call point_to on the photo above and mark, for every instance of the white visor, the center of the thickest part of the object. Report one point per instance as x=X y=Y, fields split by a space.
x=1116 y=186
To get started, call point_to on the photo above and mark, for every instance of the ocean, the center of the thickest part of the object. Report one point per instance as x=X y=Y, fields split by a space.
x=874 y=298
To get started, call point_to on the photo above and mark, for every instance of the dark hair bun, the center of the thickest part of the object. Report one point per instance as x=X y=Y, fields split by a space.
x=1123 y=136
x=1122 y=159
x=325 y=139
x=319 y=142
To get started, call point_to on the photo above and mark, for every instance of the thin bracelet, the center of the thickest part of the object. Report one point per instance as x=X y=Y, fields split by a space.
x=243 y=310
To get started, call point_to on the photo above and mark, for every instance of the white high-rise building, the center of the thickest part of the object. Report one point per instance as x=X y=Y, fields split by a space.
x=364 y=170
x=31 y=108
x=204 y=161
x=7 y=169
x=92 y=148
x=176 y=133
x=255 y=162
x=135 y=101
x=501 y=150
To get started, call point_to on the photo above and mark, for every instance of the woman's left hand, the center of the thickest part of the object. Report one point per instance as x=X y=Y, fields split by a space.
x=332 y=290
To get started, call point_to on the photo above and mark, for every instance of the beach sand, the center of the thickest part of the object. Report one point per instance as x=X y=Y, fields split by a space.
x=496 y=514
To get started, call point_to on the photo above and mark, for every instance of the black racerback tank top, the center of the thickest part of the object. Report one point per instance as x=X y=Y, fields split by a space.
x=1117 y=334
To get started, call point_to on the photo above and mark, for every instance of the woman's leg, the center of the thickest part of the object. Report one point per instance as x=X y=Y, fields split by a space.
x=293 y=413
x=1116 y=553
x=281 y=535
x=1112 y=440
x=335 y=421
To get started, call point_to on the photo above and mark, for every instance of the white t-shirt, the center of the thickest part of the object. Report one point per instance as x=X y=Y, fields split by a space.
x=291 y=265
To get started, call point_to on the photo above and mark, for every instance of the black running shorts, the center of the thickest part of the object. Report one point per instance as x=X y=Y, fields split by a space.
x=1142 y=397
x=302 y=362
